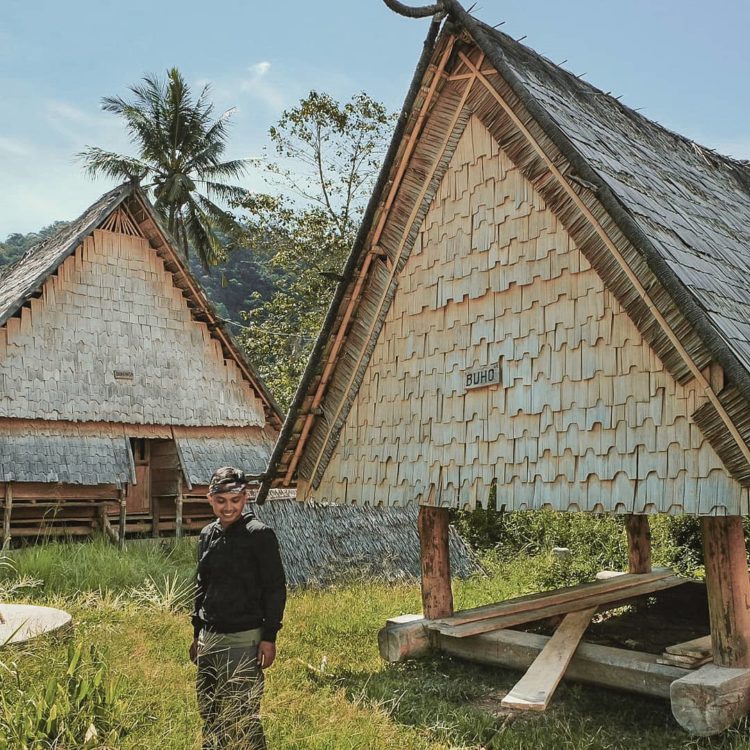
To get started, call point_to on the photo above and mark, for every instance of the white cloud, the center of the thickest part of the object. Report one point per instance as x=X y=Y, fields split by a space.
x=257 y=85
x=15 y=147
x=68 y=112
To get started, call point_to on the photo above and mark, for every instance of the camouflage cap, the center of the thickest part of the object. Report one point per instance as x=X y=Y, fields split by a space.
x=227 y=479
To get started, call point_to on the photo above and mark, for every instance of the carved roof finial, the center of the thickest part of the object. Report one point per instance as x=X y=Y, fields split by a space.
x=420 y=12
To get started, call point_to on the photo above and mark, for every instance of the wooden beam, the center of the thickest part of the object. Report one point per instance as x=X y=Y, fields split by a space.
x=698 y=648
x=597 y=665
x=123 y=519
x=614 y=250
x=576 y=594
x=354 y=299
x=728 y=587
x=639 y=543
x=178 y=510
x=710 y=699
x=522 y=616
x=105 y=524
x=7 y=514
x=534 y=690
x=403 y=637
x=437 y=596
x=399 y=250
x=155 y=517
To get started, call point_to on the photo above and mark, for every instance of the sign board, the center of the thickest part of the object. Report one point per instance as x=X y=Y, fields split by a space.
x=482 y=377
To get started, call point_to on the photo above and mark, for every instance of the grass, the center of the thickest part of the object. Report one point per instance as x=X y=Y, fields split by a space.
x=328 y=689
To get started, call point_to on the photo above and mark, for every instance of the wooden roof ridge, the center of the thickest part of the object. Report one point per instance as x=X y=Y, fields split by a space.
x=23 y=280
x=677 y=251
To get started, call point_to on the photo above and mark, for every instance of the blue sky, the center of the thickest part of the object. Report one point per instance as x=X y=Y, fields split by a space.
x=684 y=62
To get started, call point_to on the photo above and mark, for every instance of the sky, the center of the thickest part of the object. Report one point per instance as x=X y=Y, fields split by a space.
x=684 y=63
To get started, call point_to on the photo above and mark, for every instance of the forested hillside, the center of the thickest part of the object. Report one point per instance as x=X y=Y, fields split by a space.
x=243 y=281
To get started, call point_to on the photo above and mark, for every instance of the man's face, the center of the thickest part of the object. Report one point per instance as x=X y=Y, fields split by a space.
x=228 y=506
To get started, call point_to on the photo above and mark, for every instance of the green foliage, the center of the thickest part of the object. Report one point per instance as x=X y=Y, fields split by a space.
x=329 y=154
x=596 y=542
x=16 y=244
x=180 y=149
x=80 y=704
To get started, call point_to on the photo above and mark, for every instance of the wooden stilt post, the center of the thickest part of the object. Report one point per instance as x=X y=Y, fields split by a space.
x=178 y=510
x=437 y=596
x=639 y=543
x=155 y=516
x=123 y=518
x=6 y=515
x=728 y=586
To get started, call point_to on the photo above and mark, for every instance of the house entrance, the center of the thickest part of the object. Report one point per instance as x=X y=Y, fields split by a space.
x=139 y=495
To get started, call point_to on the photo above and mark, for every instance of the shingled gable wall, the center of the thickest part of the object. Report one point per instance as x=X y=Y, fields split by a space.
x=112 y=307
x=587 y=417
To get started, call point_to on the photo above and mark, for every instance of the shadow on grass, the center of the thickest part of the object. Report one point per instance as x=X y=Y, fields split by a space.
x=458 y=704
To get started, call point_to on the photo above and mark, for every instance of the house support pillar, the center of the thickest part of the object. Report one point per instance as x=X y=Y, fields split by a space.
x=123 y=519
x=728 y=588
x=7 y=510
x=437 y=596
x=178 y=510
x=639 y=543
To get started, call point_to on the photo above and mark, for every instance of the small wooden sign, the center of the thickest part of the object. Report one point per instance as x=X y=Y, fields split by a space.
x=124 y=374
x=482 y=377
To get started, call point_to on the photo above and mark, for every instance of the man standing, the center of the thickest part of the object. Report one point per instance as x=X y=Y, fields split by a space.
x=239 y=605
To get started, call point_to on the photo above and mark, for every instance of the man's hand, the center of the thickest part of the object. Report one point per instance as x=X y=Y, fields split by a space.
x=266 y=654
x=194 y=651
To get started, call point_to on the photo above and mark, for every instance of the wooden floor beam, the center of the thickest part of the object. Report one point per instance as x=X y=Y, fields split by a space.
x=616 y=668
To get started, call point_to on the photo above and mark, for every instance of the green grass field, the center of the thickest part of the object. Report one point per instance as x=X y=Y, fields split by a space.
x=328 y=689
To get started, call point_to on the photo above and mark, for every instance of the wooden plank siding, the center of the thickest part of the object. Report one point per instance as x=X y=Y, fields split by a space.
x=588 y=417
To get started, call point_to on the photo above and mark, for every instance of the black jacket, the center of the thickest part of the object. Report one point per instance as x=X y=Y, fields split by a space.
x=241 y=583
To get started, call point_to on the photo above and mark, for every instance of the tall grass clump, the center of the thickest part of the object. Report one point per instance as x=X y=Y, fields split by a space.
x=69 y=569
x=73 y=703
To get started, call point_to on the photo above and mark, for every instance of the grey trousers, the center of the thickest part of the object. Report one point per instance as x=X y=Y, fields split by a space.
x=230 y=687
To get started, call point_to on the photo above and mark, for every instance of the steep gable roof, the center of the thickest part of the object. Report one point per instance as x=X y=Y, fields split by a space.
x=23 y=280
x=664 y=222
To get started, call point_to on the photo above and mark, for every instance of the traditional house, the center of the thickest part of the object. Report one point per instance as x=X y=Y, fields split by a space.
x=119 y=386
x=121 y=392
x=549 y=297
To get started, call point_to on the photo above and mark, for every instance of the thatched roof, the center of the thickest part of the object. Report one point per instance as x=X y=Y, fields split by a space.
x=681 y=212
x=23 y=280
x=324 y=543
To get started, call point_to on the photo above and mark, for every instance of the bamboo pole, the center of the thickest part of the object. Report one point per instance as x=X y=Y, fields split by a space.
x=6 y=515
x=374 y=250
x=639 y=543
x=407 y=229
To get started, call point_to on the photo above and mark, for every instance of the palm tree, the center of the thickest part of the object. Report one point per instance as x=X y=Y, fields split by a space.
x=180 y=149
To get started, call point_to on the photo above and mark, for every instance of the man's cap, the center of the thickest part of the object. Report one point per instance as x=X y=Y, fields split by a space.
x=228 y=479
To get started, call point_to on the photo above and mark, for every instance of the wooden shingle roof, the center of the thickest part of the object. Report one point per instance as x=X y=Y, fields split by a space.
x=689 y=206
x=665 y=222
x=23 y=280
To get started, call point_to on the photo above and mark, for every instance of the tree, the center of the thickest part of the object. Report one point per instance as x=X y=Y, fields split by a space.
x=180 y=150
x=330 y=154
